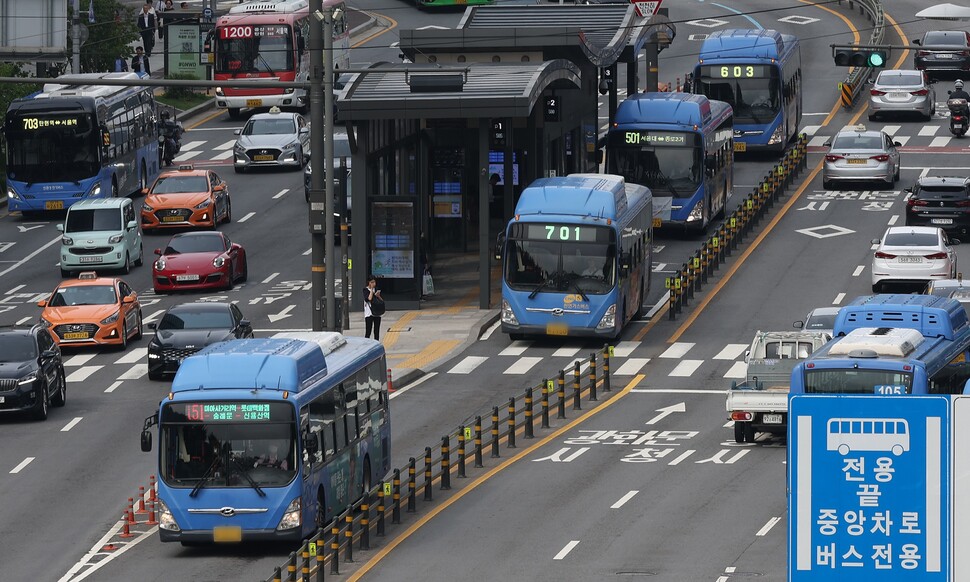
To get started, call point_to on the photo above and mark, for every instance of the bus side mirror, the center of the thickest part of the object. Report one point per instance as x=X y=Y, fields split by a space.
x=146 y=441
x=310 y=443
x=499 y=245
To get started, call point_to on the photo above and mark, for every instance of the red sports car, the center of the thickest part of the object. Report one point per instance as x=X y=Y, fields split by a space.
x=199 y=260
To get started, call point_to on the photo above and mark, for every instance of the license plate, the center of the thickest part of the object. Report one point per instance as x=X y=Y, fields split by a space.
x=896 y=95
x=740 y=146
x=171 y=219
x=657 y=222
x=76 y=335
x=91 y=260
x=941 y=221
x=855 y=161
x=2 y=399
x=557 y=329
x=186 y=277
x=772 y=418
x=263 y=158
x=910 y=259
x=54 y=205
x=254 y=102
x=945 y=56
x=227 y=534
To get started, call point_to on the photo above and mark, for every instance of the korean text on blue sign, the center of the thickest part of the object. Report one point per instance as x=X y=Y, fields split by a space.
x=868 y=488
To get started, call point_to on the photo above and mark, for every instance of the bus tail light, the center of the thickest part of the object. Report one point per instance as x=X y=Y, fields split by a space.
x=609 y=318
x=936 y=256
x=508 y=316
x=882 y=255
x=165 y=519
x=739 y=416
x=291 y=517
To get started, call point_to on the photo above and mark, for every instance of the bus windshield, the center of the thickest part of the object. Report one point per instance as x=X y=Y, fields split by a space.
x=45 y=148
x=857 y=381
x=560 y=267
x=258 y=48
x=754 y=100
x=668 y=170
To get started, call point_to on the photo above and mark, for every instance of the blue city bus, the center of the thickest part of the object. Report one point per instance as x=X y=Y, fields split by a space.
x=891 y=344
x=680 y=146
x=270 y=438
x=759 y=74
x=68 y=142
x=576 y=257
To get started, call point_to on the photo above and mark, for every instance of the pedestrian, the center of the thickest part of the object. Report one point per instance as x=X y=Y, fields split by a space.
x=147 y=24
x=373 y=308
x=168 y=6
x=121 y=65
x=139 y=62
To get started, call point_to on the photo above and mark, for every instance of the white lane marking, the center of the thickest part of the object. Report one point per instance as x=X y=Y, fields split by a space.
x=631 y=367
x=225 y=146
x=624 y=349
x=738 y=370
x=270 y=278
x=659 y=267
x=15 y=289
x=133 y=356
x=71 y=424
x=307 y=252
x=566 y=352
x=30 y=256
x=730 y=570
x=153 y=316
x=571 y=367
x=565 y=551
x=677 y=350
x=685 y=368
x=24 y=320
x=891 y=129
x=468 y=365
x=810 y=130
x=721 y=579
x=96 y=556
x=682 y=456
x=192 y=145
x=488 y=332
x=717 y=391
x=114 y=385
x=82 y=373
x=515 y=348
x=767 y=527
x=728 y=424
x=187 y=155
x=78 y=359
x=223 y=155
x=522 y=365
x=247 y=217
x=663 y=301
x=858 y=270
x=135 y=372
x=902 y=139
x=838 y=298
x=818 y=141
x=928 y=130
x=731 y=352
x=893 y=219
x=21 y=466
x=939 y=142
x=622 y=500
x=420 y=380
x=281 y=193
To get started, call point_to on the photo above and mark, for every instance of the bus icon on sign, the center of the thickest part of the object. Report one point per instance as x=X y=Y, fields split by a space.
x=847 y=435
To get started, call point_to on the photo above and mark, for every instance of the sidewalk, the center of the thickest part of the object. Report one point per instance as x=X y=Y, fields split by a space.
x=448 y=322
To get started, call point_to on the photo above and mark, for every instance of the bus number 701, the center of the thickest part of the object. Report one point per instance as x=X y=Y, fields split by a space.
x=563 y=232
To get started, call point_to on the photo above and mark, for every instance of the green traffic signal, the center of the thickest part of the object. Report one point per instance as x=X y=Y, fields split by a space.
x=876 y=59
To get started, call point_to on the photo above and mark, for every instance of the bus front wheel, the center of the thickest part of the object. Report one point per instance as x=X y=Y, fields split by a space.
x=234 y=113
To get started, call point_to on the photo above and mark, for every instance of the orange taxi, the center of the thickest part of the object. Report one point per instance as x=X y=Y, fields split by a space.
x=186 y=197
x=92 y=310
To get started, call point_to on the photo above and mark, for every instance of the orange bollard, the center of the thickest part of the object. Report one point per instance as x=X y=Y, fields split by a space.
x=151 y=514
x=125 y=528
x=151 y=488
x=390 y=384
x=130 y=511
x=141 y=500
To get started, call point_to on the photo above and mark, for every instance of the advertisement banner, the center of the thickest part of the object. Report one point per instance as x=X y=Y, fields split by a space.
x=184 y=41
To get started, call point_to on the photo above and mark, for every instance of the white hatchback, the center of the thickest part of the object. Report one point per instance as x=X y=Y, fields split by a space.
x=912 y=254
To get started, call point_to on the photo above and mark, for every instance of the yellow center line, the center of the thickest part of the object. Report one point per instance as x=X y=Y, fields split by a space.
x=378 y=33
x=491 y=473
x=902 y=37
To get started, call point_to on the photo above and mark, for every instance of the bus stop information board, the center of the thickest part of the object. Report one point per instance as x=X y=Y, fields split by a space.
x=869 y=488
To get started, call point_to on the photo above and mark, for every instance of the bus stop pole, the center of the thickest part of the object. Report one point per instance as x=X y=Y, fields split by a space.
x=318 y=232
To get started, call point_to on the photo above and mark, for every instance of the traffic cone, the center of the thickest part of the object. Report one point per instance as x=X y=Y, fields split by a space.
x=125 y=526
x=141 y=500
x=390 y=383
x=151 y=514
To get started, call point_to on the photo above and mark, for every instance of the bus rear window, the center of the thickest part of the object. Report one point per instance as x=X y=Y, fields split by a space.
x=856 y=381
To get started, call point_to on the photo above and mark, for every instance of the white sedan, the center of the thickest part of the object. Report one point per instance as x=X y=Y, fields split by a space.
x=912 y=254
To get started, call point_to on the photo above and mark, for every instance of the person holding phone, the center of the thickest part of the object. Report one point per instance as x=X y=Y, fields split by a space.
x=373 y=308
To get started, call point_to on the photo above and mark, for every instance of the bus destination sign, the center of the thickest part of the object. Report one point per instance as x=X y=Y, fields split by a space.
x=243 y=412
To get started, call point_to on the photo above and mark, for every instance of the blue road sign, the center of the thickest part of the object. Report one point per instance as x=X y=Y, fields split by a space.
x=869 y=488
x=207 y=13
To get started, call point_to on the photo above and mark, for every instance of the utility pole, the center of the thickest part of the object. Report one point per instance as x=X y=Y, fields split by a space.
x=332 y=323
x=76 y=37
x=318 y=218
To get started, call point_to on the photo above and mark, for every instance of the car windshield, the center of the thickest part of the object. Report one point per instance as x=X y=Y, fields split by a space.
x=15 y=347
x=52 y=147
x=754 y=100
x=558 y=267
x=196 y=319
x=270 y=127
x=942 y=193
x=899 y=80
x=857 y=141
x=198 y=243
x=821 y=321
x=93 y=219
x=83 y=295
x=176 y=184
x=945 y=37
x=266 y=49
x=911 y=239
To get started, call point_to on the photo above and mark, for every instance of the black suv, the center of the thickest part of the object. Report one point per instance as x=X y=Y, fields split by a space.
x=942 y=201
x=953 y=53
x=189 y=327
x=31 y=371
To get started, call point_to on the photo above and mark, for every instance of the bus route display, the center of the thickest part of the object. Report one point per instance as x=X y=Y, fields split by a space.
x=561 y=232
x=240 y=412
x=735 y=71
x=649 y=137
x=251 y=30
x=34 y=122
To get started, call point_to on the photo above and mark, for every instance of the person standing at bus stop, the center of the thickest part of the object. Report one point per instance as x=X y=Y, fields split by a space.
x=147 y=24
x=373 y=308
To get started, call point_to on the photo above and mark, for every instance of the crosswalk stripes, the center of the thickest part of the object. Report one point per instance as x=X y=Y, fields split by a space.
x=624 y=349
x=78 y=360
x=133 y=356
x=82 y=373
x=677 y=350
x=468 y=365
x=927 y=130
x=566 y=352
x=731 y=352
x=738 y=370
x=522 y=365
x=516 y=348
x=685 y=368
x=631 y=367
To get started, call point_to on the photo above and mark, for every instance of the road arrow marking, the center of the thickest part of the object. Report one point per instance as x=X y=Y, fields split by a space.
x=285 y=312
x=23 y=228
x=667 y=411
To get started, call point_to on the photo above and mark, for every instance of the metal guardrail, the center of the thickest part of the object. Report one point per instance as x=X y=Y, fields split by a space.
x=855 y=81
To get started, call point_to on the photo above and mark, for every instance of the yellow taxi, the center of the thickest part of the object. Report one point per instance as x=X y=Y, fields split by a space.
x=92 y=310
x=186 y=197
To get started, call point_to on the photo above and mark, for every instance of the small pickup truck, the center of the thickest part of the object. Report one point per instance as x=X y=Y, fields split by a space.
x=760 y=403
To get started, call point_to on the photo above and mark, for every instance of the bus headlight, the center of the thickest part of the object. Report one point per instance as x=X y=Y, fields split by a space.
x=609 y=318
x=778 y=134
x=697 y=213
x=220 y=92
x=96 y=189
x=165 y=518
x=291 y=518
x=508 y=316
x=12 y=194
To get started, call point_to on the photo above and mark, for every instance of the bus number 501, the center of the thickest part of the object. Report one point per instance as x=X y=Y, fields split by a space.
x=563 y=232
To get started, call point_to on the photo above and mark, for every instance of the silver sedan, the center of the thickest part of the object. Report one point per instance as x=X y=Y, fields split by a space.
x=272 y=139
x=857 y=154
x=912 y=254
x=902 y=91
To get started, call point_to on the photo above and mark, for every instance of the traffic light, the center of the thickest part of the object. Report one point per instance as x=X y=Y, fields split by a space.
x=848 y=56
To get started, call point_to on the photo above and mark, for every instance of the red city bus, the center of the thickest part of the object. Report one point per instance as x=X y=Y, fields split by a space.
x=267 y=40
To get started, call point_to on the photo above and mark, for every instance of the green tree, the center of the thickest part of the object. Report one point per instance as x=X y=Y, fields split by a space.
x=109 y=37
x=9 y=92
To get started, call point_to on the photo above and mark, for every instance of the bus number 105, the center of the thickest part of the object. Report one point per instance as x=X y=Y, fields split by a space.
x=564 y=233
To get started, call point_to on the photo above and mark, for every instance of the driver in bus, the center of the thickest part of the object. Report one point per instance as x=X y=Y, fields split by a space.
x=271 y=459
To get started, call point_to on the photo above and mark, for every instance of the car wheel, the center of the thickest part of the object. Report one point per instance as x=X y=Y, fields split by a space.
x=228 y=218
x=39 y=411
x=239 y=169
x=230 y=280
x=127 y=268
x=872 y=117
x=65 y=274
x=896 y=175
x=738 y=432
x=748 y=432
x=60 y=395
x=114 y=189
x=876 y=287
x=245 y=272
x=139 y=331
x=141 y=255
x=155 y=376
x=827 y=184
x=124 y=336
